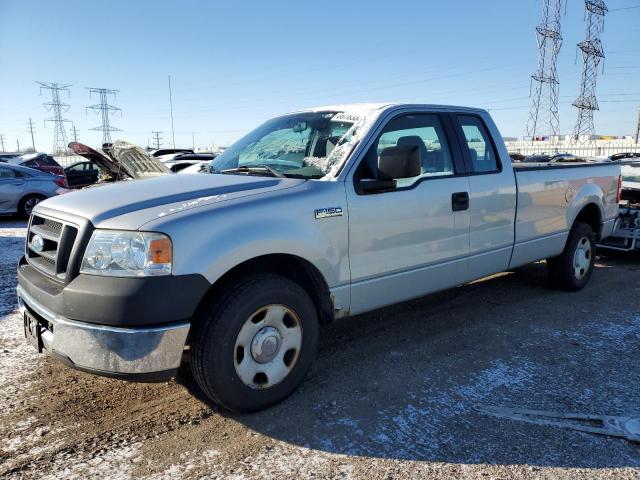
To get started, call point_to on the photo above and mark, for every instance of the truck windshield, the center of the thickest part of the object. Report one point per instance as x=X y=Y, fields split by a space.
x=301 y=145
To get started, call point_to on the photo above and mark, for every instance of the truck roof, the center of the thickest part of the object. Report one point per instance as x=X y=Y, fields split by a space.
x=382 y=106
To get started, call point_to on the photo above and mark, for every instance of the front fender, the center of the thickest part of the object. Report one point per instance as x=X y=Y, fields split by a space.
x=211 y=241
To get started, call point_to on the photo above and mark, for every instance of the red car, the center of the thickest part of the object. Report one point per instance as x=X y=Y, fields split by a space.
x=39 y=161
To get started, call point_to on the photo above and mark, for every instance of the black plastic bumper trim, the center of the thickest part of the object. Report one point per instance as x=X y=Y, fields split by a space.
x=117 y=301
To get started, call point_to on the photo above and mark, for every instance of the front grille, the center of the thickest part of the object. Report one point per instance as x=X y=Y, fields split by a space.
x=57 y=241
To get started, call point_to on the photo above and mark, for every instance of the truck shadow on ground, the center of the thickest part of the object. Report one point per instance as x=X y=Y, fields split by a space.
x=405 y=382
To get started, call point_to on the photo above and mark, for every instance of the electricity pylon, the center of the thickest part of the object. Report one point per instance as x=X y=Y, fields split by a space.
x=544 y=117
x=105 y=109
x=57 y=107
x=592 y=54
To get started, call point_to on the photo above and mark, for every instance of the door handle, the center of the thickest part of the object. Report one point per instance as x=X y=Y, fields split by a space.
x=460 y=201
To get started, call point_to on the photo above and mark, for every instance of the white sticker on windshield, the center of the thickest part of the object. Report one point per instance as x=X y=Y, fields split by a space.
x=345 y=117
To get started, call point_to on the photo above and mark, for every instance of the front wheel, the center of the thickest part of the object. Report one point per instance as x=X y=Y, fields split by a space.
x=254 y=346
x=27 y=204
x=572 y=269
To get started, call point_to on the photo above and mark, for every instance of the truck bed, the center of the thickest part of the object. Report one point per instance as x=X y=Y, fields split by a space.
x=549 y=198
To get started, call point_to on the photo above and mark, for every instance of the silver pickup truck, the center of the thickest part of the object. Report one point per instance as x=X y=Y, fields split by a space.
x=315 y=215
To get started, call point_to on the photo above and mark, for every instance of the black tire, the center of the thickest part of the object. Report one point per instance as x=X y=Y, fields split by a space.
x=214 y=335
x=27 y=203
x=564 y=272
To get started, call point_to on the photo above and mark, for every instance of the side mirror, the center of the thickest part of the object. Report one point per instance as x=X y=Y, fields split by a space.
x=400 y=162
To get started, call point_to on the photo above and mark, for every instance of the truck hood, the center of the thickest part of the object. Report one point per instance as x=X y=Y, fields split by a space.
x=137 y=202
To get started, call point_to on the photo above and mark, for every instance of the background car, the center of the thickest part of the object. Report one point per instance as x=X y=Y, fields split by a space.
x=551 y=158
x=82 y=174
x=23 y=188
x=168 y=151
x=39 y=161
x=180 y=161
x=199 y=167
x=6 y=156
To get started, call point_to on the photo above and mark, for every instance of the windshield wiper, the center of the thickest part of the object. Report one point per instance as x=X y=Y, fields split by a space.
x=254 y=168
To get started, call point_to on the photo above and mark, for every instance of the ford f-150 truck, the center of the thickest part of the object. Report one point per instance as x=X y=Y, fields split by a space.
x=316 y=215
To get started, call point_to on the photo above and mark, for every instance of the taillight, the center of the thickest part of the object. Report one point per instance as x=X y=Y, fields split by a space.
x=61 y=182
x=619 y=194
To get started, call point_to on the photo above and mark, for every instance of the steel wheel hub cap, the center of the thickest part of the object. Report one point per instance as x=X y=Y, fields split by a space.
x=582 y=258
x=268 y=346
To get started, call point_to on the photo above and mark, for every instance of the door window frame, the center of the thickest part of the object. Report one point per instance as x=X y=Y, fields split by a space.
x=450 y=136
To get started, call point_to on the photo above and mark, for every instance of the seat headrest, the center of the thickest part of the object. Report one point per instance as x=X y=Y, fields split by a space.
x=410 y=141
x=474 y=155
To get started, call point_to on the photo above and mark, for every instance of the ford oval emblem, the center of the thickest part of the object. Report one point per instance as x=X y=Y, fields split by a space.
x=37 y=243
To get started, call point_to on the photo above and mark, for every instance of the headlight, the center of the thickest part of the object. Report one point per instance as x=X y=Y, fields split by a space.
x=127 y=254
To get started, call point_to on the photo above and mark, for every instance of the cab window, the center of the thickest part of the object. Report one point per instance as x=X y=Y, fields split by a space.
x=483 y=155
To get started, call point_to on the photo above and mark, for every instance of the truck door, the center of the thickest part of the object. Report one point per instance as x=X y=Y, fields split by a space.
x=492 y=197
x=412 y=239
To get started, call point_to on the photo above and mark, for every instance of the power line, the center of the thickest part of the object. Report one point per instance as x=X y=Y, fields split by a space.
x=30 y=125
x=74 y=132
x=544 y=116
x=105 y=109
x=57 y=107
x=592 y=54
x=157 y=139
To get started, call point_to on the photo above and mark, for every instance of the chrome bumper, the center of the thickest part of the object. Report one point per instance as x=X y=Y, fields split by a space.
x=112 y=351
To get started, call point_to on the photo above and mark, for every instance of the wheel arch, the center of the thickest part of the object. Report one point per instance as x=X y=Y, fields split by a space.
x=292 y=267
x=592 y=216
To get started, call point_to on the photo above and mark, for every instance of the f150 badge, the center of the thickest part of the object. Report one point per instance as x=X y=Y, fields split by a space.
x=328 y=212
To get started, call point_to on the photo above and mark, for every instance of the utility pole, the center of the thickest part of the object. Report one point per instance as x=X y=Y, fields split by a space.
x=18 y=143
x=105 y=109
x=637 y=128
x=173 y=133
x=74 y=132
x=2 y=141
x=193 y=141
x=157 y=139
x=544 y=117
x=57 y=107
x=30 y=125
x=592 y=54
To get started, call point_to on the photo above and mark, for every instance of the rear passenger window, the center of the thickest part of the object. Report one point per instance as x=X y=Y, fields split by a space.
x=7 y=173
x=423 y=131
x=483 y=155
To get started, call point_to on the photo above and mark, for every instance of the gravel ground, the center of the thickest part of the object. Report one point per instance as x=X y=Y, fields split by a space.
x=394 y=394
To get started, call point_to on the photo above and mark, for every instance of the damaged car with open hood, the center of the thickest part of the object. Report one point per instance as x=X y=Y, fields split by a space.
x=119 y=161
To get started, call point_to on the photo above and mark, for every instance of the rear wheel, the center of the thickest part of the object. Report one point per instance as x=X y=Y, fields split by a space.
x=27 y=204
x=572 y=269
x=254 y=346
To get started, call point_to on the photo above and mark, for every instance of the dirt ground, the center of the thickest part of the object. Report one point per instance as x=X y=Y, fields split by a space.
x=394 y=394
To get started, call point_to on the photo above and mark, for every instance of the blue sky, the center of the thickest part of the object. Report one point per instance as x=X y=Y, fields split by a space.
x=235 y=64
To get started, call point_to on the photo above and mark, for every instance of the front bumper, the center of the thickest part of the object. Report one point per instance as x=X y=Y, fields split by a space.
x=141 y=353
